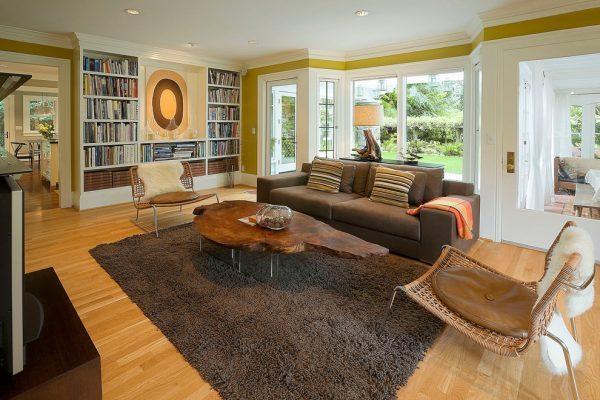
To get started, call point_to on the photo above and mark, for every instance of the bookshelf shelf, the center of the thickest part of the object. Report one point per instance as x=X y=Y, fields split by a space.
x=92 y=96
x=212 y=85
x=107 y=144
x=110 y=120
x=224 y=121
x=112 y=166
x=224 y=138
x=110 y=74
x=213 y=103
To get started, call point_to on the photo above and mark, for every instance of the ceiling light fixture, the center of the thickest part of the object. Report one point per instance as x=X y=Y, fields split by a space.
x=132 y=11
x=361 y=13
x=190 y=44
x=252 y=41
x=572 y=93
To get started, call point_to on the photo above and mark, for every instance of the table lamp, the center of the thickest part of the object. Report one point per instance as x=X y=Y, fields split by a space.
x=367 y=115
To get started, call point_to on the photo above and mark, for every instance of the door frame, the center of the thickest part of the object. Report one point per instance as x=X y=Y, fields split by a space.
x=502 y=58
x=300 y=76
x=269 y=126
x=64 y=116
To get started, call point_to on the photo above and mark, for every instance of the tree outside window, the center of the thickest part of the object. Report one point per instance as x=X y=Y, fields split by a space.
x=38 y=110
x=597 y=132
x=576 y=121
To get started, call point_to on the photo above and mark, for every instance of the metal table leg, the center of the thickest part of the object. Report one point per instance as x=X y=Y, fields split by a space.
x=274 y=262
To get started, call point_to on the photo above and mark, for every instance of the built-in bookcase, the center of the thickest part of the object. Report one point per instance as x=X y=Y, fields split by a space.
x=111 y=113
x=223 y=120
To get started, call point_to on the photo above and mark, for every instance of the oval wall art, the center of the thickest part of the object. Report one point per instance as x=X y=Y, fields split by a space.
x=167 y=102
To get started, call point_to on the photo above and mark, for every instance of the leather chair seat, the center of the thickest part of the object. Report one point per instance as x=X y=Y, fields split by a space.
x=486 y=299
x=174 y=198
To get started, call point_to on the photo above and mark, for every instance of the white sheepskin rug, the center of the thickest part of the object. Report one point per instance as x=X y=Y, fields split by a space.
x=573 y=240
x=160 y=177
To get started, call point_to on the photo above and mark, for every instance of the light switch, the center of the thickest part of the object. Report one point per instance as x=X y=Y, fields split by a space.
x=254 y=131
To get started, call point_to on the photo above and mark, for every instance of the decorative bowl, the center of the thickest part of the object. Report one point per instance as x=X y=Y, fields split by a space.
x=274 y=217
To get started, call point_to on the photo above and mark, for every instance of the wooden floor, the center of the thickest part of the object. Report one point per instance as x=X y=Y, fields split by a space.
x=38 y=193
x=138 y=362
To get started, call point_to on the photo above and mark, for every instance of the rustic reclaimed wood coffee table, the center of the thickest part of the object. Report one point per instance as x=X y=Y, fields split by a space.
x=220 y=223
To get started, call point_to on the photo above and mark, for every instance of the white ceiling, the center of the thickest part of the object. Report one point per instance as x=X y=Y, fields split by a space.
x=578 y=73
x=223 y=28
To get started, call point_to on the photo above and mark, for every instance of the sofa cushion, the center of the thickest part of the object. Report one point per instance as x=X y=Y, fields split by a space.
x=433 y=182
x=392 y=186
x=379 y=217
x=309 y=201
x=325 y=175
x=347 y=178
x=417 y=189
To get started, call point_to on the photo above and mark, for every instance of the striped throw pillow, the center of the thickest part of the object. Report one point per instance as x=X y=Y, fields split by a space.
x=392 y=186
x=325 y=175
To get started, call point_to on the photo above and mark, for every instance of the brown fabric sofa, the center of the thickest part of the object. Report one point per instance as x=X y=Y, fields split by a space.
x=420 y=237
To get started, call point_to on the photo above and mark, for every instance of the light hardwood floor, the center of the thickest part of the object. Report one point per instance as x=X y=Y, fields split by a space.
x=138 y=362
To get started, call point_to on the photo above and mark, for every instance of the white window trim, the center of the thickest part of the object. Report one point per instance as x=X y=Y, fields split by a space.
x=26 y=116
x=401 y=71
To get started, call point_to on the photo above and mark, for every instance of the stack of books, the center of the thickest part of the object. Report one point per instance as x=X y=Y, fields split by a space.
x=109 y=66
x=111 y=109
x=223 y=78
x=103 y=132
x=184 y=150
x=96 y=85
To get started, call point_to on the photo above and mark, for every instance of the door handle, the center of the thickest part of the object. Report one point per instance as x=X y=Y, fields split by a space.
x=510 y=162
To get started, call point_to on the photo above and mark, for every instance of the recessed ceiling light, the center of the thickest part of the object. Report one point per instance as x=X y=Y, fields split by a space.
x=132 y=11
x=252 y=41
x=572 y=92
x=361 y=13
x=190 y=44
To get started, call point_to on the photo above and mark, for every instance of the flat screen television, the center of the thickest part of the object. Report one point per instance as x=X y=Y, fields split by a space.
x=11 y=276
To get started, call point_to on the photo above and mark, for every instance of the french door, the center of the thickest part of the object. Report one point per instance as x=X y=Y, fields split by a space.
x=526 y=113
x=281 y=126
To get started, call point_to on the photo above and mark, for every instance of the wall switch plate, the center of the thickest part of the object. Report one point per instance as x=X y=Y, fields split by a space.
x=254 y=131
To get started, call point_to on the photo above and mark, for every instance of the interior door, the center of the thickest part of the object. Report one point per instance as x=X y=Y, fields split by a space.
x=281 y=127
x=526 y=225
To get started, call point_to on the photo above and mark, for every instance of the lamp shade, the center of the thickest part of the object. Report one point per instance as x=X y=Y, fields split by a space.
x=368 y=114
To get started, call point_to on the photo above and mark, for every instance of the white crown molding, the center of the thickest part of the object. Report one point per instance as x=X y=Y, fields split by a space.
x=327 y=55
x=473 y=28
x=100 y=43
x=29 y=36
x=534 y=9
x=433 y=42
x=277 y=58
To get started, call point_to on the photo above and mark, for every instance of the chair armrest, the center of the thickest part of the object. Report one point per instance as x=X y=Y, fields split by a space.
x=265 y=184
x=458 y=187
x=438 y=229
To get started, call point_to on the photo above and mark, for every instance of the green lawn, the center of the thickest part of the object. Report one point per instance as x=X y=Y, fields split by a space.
x=452 y=164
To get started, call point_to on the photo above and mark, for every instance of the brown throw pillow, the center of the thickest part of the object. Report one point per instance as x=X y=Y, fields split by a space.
x=392 y=186
x=325 y=175
x=417 y=189
x=347 y=178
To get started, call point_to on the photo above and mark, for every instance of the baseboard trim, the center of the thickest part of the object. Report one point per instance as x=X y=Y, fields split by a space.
x=248 y=179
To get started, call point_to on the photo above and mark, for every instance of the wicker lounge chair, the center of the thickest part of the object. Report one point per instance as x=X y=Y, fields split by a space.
x=422 y=291
x=174 y=199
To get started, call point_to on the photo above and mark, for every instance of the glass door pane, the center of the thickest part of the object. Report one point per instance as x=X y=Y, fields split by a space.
x=2 y=127
x=282 y=127
x=434 y=120
x=327 y=123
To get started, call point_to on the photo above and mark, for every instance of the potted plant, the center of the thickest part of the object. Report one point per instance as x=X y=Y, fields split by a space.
x=46 y=130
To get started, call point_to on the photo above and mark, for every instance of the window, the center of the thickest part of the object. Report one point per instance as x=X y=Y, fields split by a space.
x=597 y=132
x=382 y=91
x=576 y=121
x=434 y=120
x=38 y=110
x=327 y=119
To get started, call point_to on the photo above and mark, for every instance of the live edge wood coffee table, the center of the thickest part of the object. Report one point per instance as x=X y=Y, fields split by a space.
x=220 y=224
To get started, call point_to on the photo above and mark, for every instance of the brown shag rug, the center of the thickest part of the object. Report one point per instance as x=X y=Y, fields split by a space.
x=311 y=332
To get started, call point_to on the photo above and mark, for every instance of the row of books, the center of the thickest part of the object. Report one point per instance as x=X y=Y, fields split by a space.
x=96 y=85
x=102 y=132
x=223 y=95
x=174 y=151
x=224 y=148
x=111 y=109
x=221 y=113
x=110 y=66
x=110 y=155
x=146 y=153
x=224 y=78
x=216 y=130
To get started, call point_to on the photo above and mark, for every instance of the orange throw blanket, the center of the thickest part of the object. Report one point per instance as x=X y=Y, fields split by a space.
x=460 y=208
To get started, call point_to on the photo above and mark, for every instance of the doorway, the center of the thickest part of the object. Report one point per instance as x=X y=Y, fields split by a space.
x=551 y=144
x=29 y=121
x=281 y=126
